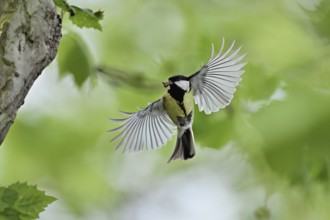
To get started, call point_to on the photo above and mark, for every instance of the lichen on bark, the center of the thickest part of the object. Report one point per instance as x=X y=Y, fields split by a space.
x=30 y=33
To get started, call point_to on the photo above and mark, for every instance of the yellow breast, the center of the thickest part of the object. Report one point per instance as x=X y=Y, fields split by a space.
x=174 y=110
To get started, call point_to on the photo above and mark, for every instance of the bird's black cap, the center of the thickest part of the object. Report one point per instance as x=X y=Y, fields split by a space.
x=178 y=78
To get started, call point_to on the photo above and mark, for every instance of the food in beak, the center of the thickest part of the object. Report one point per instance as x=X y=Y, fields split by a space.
x=165 y=84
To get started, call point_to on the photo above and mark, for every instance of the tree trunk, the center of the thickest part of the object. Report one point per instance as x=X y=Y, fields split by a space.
x=30 y=33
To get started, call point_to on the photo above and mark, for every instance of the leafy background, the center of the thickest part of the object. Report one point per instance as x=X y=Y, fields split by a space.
x=266 y=156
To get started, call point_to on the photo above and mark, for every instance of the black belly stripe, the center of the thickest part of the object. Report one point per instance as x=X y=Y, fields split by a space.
x=187 y=118
x=183 y=109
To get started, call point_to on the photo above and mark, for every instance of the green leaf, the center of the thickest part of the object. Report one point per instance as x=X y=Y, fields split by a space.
x=99 y=15
x=63 y=5
x=74 y=58
x=86 y=18
x=10 y=214
x=22 y=202
x=30 y=201
x=81 y=17
x=7 y=198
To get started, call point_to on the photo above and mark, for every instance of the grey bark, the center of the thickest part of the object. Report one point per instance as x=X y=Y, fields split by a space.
x=30 y=33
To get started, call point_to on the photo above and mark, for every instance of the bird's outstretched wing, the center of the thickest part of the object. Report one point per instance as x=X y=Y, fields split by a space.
x=215 y=83
x=147 y=129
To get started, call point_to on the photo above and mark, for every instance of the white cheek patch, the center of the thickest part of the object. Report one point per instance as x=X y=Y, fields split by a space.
x=183 y=84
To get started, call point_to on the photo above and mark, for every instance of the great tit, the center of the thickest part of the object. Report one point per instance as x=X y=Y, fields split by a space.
x=212 y=88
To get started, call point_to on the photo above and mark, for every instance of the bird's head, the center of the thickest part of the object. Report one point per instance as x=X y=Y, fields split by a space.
x=178 y=81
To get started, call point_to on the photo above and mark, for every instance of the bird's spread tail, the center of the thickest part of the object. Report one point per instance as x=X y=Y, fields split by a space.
x=185 y=146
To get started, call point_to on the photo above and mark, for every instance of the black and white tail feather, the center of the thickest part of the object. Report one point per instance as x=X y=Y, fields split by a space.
x=185 y=145
x=213 y=87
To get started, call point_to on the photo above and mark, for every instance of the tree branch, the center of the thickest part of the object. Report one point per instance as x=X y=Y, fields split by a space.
x=28 y=43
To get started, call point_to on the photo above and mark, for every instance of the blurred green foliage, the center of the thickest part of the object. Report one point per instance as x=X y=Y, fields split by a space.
x=279 y=118
x=319 y=18
x=73 y=50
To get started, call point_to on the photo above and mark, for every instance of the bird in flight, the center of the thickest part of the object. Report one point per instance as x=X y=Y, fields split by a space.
x=211 y=88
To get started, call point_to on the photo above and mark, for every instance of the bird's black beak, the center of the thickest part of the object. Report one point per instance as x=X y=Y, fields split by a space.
x=166 y=84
